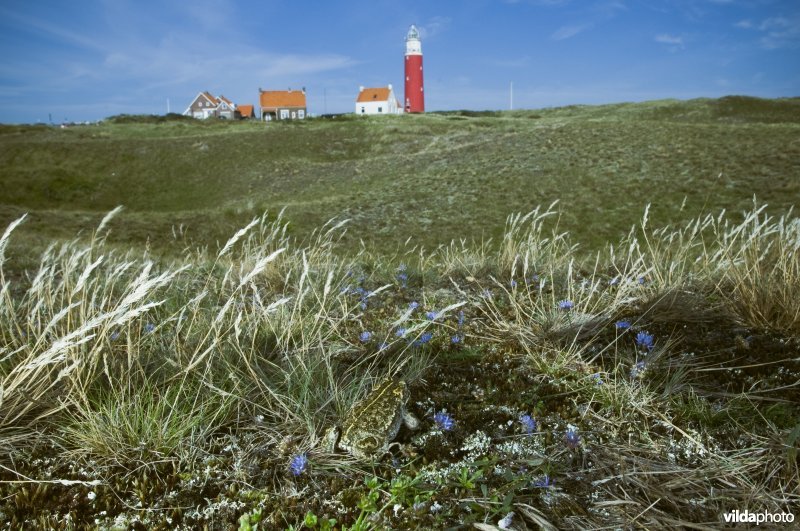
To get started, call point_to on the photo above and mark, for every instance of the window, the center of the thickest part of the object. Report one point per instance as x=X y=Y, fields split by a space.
x=294 y=115
x=380 y=109
x=362 y=109
x=301 y=114
x=284 y=114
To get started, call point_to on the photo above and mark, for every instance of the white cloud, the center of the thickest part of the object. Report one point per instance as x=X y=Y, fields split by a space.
x=781 y=32
x=569 y=31
x=666 y=38
x=774 y=23
x=777 y=32
x=433 y=27
x=672 y=42
x=593 y=14
x=164 y=66
x=52 y=30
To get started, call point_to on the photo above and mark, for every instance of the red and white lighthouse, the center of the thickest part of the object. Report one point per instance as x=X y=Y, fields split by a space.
x=415 y=95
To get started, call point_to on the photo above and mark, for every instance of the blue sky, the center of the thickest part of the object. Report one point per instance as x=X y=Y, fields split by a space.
x=88 y=59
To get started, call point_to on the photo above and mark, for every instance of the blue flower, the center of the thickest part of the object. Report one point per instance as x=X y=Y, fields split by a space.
x=513 y=283
x=383 y=346
x=365 y=336
x=413 y=305
x=486 y=293
x=298 y=464
x=149 y=327
x=401 y=332
x=461 y=318
x=598 y=380
x=432 y=315
x=643 y=339
x=528 y=422
x=545 y=482
x=641 y=280
x=622 y=325
x=424 y=338
x=402 y=276
x=444 y=421
x=456 y=339
x=114 y=335
x=638 y=369
x=614 y=281
x=572 y=438
x=566 y=305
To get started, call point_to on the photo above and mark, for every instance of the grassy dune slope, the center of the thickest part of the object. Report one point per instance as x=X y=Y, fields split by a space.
x=434 y=177
x=655 y=384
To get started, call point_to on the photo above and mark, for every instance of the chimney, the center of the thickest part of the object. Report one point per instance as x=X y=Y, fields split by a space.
x=390 y=86
x=361 y=88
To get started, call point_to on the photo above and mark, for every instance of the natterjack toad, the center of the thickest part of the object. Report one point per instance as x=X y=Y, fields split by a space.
x=373 y=423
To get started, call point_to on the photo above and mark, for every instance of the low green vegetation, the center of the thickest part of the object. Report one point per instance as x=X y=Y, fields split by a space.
x=567 y=374
x=655 y=384
x=432 y=178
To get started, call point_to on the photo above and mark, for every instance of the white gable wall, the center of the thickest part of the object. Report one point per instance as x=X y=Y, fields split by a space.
x=379 y=107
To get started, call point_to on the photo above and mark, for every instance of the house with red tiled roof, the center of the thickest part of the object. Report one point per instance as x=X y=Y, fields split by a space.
x=283 y=104
x=206 y=105
x=379 y=100
x=245 y=111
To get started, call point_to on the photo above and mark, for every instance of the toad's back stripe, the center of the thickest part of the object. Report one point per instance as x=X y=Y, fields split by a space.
x=379 y=392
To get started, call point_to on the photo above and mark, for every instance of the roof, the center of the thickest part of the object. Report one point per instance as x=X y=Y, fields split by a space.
x=210 y=97
x=271 y=99
x=373 y=94
x=246 y=110
x=226 y=100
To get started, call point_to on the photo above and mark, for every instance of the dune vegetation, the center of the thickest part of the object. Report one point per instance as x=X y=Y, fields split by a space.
x=567 y=373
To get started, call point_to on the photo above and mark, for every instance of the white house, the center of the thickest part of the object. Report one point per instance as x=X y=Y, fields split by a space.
x=379 y=100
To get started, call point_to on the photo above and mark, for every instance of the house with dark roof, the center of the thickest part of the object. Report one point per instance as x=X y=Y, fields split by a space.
x=206 y=105
x=283 y=104
x=379 y=100
x=225 y=108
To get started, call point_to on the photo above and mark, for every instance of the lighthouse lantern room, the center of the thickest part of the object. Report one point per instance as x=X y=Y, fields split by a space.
x=415 y=95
